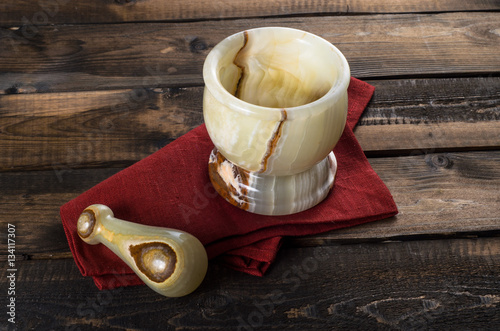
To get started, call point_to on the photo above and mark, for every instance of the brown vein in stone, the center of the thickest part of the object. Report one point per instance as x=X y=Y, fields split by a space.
x=228 y=192
x=146 y=255
x=273 y=142
x=86 y=223
x=242 y=67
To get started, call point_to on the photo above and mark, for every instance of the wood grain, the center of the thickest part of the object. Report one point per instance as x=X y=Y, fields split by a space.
x=88 y=87
x=61 y=131
x=109 y=11
x=438 y=195
x=443 y=114
x=445 y=284
x=111 y=56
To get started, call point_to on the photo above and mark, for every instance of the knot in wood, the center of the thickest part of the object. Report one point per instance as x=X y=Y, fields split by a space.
x=197 y=45
x=441 y=161
x=215 y=304
x=12 y=90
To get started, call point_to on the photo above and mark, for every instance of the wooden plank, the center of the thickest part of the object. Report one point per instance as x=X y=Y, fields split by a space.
x=98 y=57
x=108 y=11
x=418 y=116
x=451 y=194
x=443 y=284
x=32 y=201
x=428 y=137
x=437 y=195
x=93 y=128
x=101 y=128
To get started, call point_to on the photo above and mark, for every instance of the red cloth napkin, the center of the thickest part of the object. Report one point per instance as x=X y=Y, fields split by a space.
x=171 y=188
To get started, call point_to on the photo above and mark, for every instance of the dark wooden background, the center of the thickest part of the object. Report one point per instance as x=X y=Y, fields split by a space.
x=89 y=87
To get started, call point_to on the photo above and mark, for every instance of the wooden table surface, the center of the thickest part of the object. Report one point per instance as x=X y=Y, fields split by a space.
x=88 y=87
